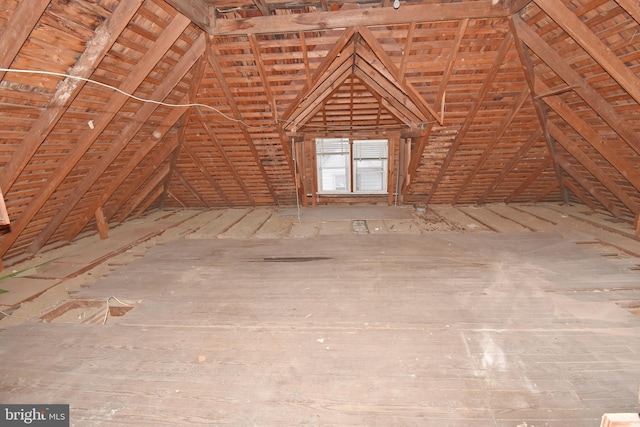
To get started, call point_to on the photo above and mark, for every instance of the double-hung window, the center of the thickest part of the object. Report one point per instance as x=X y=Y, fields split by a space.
x=352 y=166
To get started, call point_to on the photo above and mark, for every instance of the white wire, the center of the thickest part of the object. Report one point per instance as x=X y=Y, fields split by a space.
x=165 y=104
x=137 y=98
x=106 y=314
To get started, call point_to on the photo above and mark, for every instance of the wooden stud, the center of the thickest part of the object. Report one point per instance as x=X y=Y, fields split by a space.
x=101 y=222
x=86 y=139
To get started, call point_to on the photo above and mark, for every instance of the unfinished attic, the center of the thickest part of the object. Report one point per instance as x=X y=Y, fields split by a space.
x=366 y=213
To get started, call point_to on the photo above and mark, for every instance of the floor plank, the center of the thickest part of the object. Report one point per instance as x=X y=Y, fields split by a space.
x=440 y=329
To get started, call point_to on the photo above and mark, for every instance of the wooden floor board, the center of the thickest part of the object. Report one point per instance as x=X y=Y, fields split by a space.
x=438 y=329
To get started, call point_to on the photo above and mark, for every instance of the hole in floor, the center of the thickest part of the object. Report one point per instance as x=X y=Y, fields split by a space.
x=85 y=312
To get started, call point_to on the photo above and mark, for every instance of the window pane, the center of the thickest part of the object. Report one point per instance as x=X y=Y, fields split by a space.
x=370 y=165
x=332 y=156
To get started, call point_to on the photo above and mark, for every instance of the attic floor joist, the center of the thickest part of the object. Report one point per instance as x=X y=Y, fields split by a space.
x=194 y=103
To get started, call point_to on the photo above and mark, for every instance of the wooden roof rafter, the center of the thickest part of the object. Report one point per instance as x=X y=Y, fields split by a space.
x=591 y=43
x=119 y=143
x=237 y=115
x=97 y=48
x=24 y=19
x=484 y=90
x=212 y=136
x=519 y=155
x=360 y=56
x=416 y=154
x=558 y=65
x=126 y=170
x=570 y=146
x=495 y=139
x=527 y=66
x=86 y=139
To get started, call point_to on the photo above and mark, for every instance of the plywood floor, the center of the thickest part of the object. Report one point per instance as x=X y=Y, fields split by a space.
x=413 y=325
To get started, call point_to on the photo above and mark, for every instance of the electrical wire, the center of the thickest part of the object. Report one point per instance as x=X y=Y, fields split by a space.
x=206 y=106
x=106 y=314
x=130 y=95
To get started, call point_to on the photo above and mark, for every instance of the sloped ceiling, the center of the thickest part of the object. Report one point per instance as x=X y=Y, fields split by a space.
x=110 y=107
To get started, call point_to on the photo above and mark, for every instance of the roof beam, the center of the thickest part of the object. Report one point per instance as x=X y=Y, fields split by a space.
x=159 y=191
x=506 y=170
x=160 y=157
x=486 y=86
x=4 y=215
x=198 y=11
x=591 y=43
x=402 y=83
x=203 y=170
x=165 y=88
x=255 y=49
x=632 y=7
x=212 y=136
x=213 y=61
x=584 y=183
x=193 y=190
x=433 y=12
x=24 y=19
x=488 y=149
x=560 y=66
x=146 y=190
x=571 y=148
x=544 y=165
x=87 y=138
x=527 y=67
x=328 y=61
x=626 y=168
x=125 y=171
x=67 y=90
x=421 y=145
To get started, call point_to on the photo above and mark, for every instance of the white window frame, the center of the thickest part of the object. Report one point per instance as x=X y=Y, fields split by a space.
x=330 y=152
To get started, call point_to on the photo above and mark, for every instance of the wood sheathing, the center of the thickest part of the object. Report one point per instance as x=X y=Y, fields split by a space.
x=504 y=101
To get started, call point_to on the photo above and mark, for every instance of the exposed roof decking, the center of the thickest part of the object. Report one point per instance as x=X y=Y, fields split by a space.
x=498 y=103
